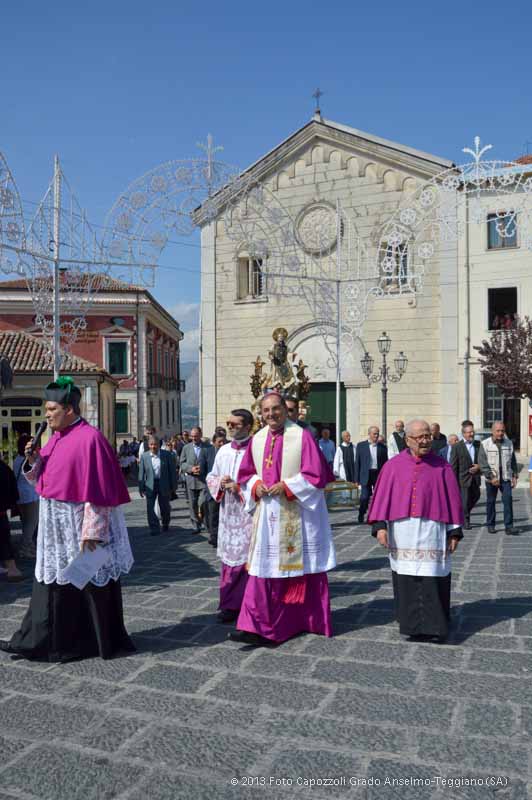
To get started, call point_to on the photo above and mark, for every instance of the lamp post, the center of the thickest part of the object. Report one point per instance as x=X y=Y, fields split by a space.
x=384 y=374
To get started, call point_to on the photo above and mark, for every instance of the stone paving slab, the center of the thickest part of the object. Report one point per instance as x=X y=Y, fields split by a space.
x=364 y=715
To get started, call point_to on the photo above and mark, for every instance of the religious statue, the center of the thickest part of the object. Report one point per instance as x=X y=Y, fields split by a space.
x=256 y=377
x=286 y=374
x=281 y=374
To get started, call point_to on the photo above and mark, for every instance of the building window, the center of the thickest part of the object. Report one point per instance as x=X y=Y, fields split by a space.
x=504 y=409
x=250 y=278
x=150 y=357
x=159 y=360
x=167 y=413
x=121 y=418
x=117 y=357
x=150 y=421
x=502 y=308
x=166 y=363
x=161 y=413
x=502 y=230
x=173 y=411
x=394 y=265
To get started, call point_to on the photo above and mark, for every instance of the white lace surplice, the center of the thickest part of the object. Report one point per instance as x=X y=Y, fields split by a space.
x=318 y=546
x=234 y=529
x=419 y=547
x=63 y=526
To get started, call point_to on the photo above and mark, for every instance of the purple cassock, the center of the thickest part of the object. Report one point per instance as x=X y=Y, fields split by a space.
x=278 y=608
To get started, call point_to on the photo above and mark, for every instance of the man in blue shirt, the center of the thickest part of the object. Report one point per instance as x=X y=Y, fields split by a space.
x=327 y=446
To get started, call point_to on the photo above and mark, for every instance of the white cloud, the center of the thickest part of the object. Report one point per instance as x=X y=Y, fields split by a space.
x=187 y=314
x=189 y=345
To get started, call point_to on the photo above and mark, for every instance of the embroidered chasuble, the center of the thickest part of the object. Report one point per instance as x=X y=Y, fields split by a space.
x=291 y=534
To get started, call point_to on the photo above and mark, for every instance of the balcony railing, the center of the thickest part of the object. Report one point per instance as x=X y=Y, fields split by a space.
x=158 y=381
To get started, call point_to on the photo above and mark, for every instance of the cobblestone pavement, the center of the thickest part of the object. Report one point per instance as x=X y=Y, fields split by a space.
x=190 y=713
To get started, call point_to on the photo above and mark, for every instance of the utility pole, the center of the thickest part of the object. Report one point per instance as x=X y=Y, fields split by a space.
x=57 y=274
x=338 y=321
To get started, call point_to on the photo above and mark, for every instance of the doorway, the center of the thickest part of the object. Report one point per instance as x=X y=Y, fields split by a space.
x=507 y=409
x=322 y=402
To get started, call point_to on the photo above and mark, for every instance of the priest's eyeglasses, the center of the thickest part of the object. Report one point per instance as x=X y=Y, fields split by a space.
x=423 y=437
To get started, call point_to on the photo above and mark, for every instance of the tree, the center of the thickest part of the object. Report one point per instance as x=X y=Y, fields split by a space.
x=6 y=373
x=506 y=359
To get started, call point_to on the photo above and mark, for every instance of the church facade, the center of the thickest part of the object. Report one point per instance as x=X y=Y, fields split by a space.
x=317 y=170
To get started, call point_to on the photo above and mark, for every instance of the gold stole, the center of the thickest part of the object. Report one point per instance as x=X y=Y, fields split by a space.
x=290 y=528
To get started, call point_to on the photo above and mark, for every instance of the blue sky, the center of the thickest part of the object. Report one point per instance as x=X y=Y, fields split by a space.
x=118 y=87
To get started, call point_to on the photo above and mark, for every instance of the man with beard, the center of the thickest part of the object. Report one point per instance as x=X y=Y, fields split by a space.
x=234 y=526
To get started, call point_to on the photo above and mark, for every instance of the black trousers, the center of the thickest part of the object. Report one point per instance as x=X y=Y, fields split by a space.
x=470 y=497
x=211 y=516
x=6 y=548
x=365 y=494
x=63 y=623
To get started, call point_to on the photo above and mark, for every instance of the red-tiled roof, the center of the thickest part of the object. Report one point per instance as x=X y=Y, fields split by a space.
x=100 y=283
x=526 y=159
x=26 y=353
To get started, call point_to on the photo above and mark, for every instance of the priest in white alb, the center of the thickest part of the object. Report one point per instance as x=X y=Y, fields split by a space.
x=283 y=475
x=234 y=528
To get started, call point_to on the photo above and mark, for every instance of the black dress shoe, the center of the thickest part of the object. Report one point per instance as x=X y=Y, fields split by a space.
x=226 y=616
x=511 y=532
x=165 y=528
x=467 y=527
x=6 y=646
x=244 y=637
x=491 y=529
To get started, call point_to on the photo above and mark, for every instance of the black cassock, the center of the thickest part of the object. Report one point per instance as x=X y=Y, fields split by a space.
x=422 y=602
x=64 y=623
x=348 y=457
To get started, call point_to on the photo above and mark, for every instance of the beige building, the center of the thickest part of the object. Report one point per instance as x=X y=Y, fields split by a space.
x=322 y=164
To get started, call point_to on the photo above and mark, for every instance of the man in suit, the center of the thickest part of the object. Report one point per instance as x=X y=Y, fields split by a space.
x=371 y=455
x=447 y=450
x=189 y=464
x=157 y=480
x=292 y=409
x=210 y=509
x=464 y=461
x=439 y=439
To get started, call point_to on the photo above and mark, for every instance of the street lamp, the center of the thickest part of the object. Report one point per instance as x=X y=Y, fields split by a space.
x=384 y=375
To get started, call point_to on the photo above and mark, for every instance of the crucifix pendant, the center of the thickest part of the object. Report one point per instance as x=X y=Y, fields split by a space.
x=269 y=460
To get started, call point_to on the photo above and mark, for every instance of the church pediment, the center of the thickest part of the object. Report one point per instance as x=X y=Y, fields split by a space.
x=340 y=147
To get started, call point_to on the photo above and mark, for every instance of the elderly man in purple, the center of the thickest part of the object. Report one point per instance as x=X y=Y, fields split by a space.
x=282 y=476
x=416 y=512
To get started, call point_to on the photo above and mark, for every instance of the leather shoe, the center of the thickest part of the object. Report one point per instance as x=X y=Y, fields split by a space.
x=510 y=532
x=468 y=527
x=491 y=529
x=244 y=637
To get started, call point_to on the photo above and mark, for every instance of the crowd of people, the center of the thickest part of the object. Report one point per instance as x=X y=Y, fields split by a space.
x=261 y=499
x=470 y=459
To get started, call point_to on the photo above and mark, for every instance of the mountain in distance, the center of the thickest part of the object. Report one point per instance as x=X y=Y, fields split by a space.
x=189 y=371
